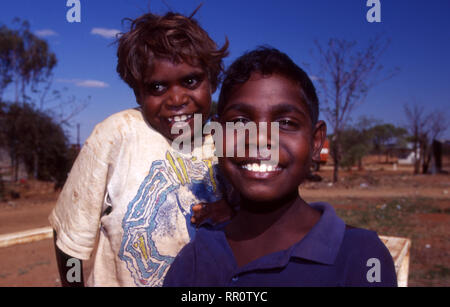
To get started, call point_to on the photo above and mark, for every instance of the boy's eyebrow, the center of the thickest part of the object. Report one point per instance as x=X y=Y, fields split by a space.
x=242 y=107
x=283 y=108
x=279 y=109
x=195 y=73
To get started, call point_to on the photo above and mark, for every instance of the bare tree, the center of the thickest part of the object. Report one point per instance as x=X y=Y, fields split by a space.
x=416 y=121
x=424 y=128
x=62 y=106
x=346 y=76
x=436 y=125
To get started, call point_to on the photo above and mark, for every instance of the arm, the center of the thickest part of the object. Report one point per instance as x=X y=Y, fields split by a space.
x=76 y=216
x=70 y=269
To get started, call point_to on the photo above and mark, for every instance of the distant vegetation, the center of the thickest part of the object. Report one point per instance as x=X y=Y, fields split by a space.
x=36 y=140
x=369 y=136
x=32 y=123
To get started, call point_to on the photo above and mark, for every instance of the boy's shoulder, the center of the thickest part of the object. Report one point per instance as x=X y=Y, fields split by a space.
x=123 y=128
x=357 y=234
x=361 y=242
x=124 y=123
x=363 y=255
x=125 y=117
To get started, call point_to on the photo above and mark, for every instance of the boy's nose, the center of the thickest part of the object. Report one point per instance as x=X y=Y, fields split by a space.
x=266 y=139
x=177 y=99
x=267 y=134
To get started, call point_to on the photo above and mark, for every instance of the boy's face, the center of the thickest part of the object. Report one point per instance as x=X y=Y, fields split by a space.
x=272 y=99
x=172 y=94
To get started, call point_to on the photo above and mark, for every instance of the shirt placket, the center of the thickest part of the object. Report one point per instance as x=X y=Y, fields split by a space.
x=272 y=261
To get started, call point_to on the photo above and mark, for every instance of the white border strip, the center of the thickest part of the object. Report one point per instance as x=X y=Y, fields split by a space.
x=26 y=236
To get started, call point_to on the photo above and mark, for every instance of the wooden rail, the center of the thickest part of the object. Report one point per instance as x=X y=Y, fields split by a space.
x=399 y=249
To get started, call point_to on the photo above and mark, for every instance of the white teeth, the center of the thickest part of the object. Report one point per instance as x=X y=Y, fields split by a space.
x=255 y=167
x=263 y=167
x=180 y=118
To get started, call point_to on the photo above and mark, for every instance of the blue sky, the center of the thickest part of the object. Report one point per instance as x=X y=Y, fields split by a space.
x=419 y=31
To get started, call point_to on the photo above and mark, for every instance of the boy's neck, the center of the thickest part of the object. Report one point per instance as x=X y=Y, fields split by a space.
x=292 y=214
x=252 y=235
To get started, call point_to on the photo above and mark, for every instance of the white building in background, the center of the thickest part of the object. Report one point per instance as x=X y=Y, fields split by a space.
x=409 y=159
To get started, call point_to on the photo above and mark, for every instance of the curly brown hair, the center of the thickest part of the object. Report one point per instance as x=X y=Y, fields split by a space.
x=173 y=37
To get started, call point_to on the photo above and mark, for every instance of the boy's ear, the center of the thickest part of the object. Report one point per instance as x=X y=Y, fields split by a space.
x=319 y=136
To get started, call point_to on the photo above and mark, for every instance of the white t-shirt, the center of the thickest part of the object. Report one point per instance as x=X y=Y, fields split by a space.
x=130 y=189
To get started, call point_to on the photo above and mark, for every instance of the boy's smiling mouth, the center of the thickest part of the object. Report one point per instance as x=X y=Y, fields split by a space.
x=259 y=169
x=180 y=118
x=179 y=121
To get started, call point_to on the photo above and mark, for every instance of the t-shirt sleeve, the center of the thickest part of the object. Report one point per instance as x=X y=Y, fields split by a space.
x=76 y=216
x=371 y=264
x=182 y=271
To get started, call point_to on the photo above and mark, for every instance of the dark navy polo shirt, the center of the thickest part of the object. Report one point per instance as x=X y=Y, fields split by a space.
x=331 y=254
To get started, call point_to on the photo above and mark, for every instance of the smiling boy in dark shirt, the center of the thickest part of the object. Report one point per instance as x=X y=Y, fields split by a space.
x=276 y=238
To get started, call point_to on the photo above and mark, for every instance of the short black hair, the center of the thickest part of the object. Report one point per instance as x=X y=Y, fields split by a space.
x=267 y=61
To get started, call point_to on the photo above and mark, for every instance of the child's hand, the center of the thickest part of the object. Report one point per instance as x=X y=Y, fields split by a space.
x=218 y=212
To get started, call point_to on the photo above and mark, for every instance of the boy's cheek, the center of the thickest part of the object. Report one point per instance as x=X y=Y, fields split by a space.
x=230 y=143
x=149 y=114
x=204 y=100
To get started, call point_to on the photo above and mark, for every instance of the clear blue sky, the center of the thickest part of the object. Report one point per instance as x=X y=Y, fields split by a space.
x=419 y=31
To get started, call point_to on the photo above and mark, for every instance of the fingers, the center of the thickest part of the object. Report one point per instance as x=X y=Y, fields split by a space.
x=218 y=212
x=198 y=207
x=199 y=213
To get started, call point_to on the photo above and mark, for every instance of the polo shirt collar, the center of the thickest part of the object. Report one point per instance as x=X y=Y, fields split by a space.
x=320 y=245
x=323 y=241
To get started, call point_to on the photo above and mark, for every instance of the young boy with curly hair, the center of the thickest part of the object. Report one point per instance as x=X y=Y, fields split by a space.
x=129 y=189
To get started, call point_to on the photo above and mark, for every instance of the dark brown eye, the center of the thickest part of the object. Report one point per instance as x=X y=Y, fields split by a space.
x=286 y=123
x=240 y=120
x=192 y=81
x=156 y=88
